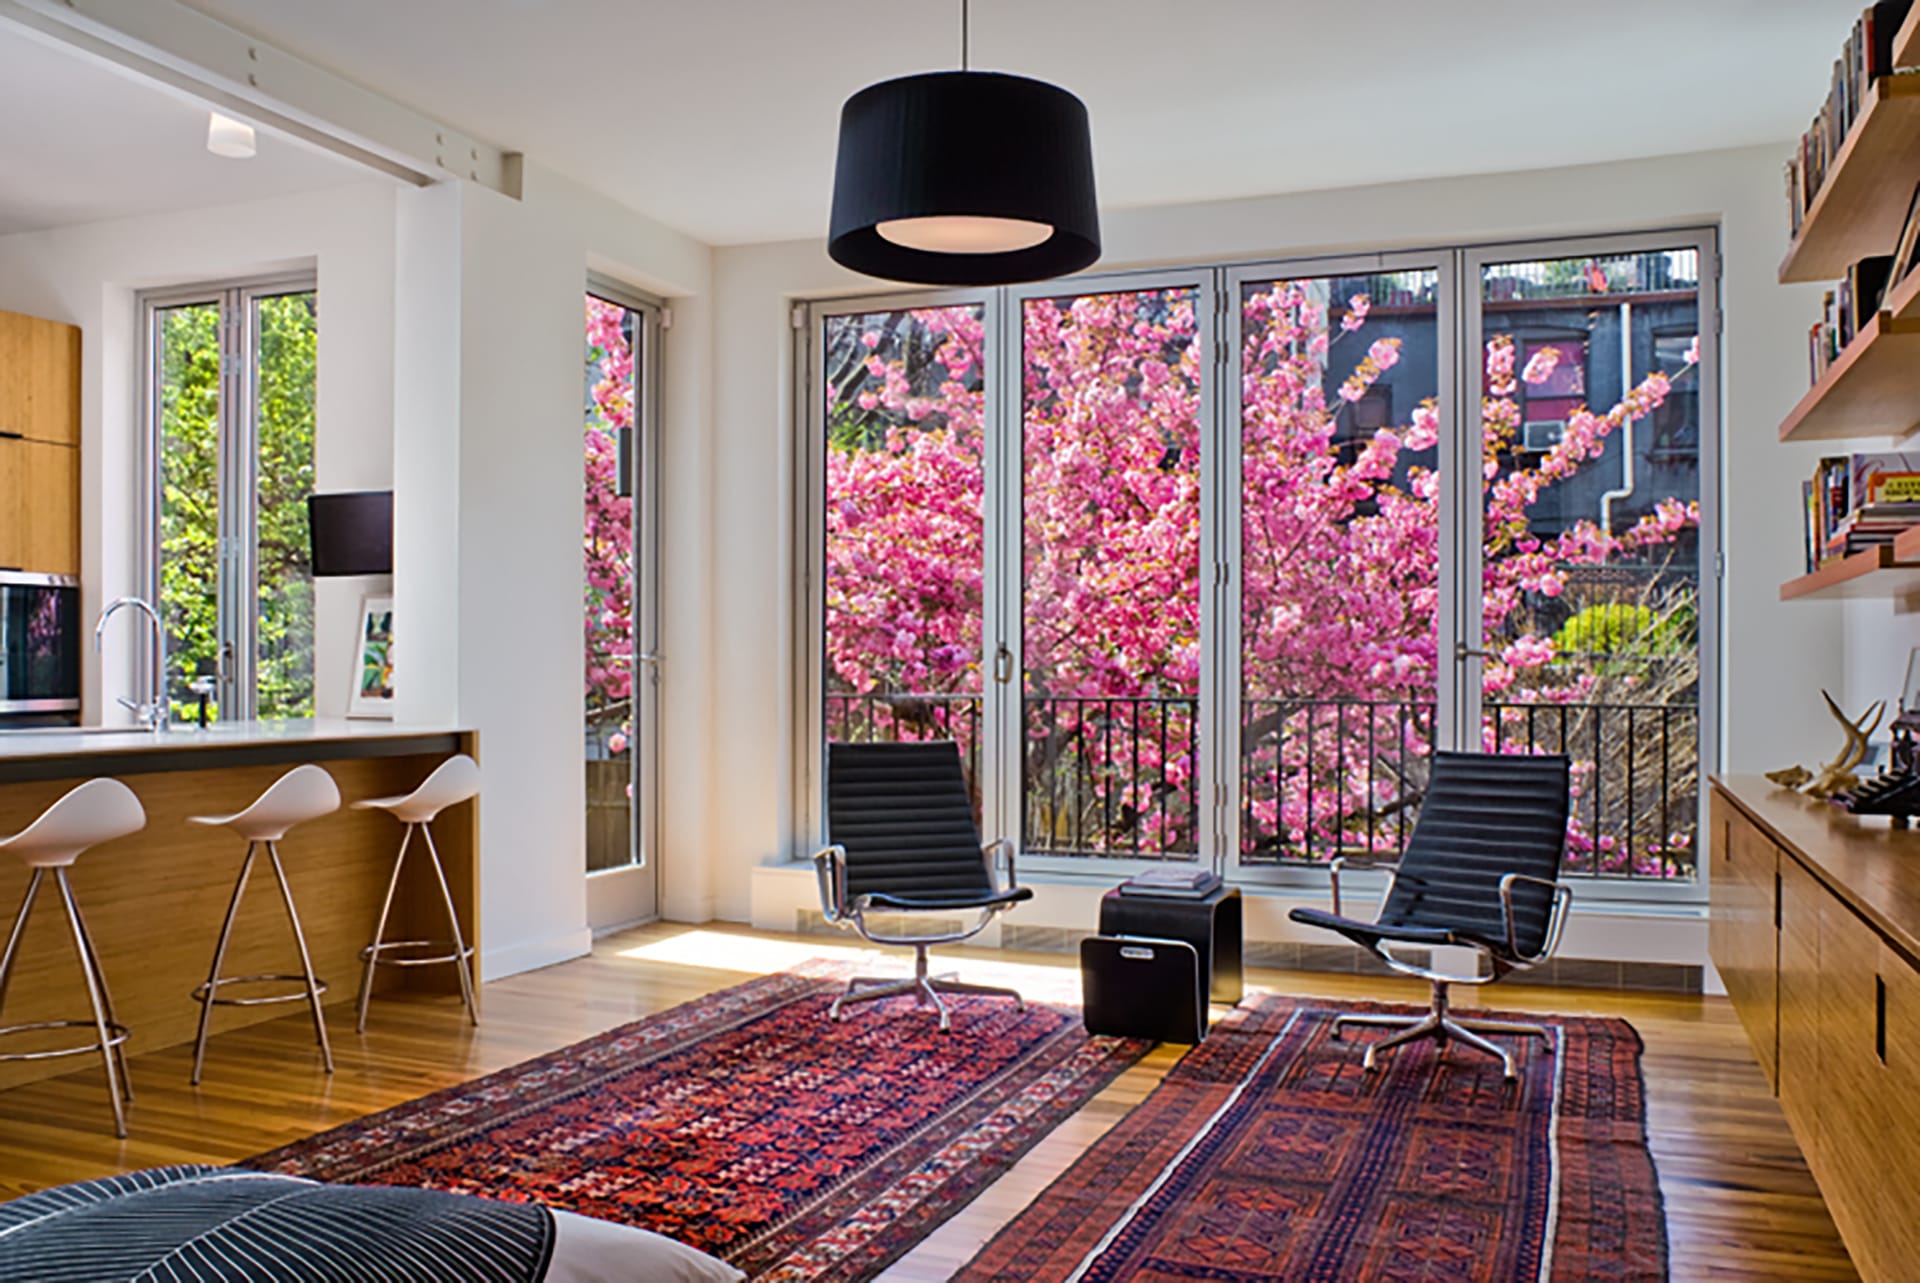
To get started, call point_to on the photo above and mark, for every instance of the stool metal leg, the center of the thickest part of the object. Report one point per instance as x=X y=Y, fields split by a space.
x=19 y=929
x=380 y=932
x=106 y=996
x=85 y=951
x=461 y=954
x=306 y=961
x=219 y=957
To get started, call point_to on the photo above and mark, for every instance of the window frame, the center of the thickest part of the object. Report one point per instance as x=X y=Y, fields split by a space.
x=1460 y=375
x=237 y=432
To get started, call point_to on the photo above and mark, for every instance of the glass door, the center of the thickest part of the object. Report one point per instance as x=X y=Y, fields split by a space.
x=621 y=661
x=1337 y=530
x=1116 y=546
x=1594 y=375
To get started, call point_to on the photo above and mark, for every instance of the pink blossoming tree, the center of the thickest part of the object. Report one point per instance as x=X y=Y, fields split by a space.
x=1340 y=580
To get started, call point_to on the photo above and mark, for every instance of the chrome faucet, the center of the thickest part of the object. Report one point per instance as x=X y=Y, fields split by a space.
x=154 y=714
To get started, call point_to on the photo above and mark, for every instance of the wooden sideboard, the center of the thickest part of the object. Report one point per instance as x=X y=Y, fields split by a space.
x=1816 y=932
x=39 y=445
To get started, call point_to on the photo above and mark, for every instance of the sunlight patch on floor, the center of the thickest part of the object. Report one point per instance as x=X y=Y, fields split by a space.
x=723 y=951
x=720 y=951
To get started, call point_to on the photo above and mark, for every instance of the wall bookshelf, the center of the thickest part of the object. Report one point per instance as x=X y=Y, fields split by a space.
x=1870 y=389
x=1859 y=208
x=1891 y=570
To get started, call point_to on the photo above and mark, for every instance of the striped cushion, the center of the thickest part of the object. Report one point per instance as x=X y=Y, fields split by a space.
x=222 y=1225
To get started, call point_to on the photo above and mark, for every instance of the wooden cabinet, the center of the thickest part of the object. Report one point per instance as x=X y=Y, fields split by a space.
x=1869 y=1118
x=1741 y=933
x=39 y=379
x=39 y=506
x=1839 y=1016
x=1798 y=1079
x=39 y=445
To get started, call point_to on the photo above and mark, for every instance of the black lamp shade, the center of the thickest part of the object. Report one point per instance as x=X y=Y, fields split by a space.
x=351 y=532
x=977 y=144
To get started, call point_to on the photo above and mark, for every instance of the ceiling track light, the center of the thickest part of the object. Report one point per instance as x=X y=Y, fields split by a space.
x=229 y=137
x=1017 y=205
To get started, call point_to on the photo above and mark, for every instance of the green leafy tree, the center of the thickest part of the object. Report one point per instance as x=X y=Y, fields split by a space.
x=285 y=384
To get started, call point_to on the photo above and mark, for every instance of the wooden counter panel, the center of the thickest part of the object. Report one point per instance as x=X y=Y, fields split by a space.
x=154 y=902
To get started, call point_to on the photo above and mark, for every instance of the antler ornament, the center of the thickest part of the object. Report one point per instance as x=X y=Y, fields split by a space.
x=1837 y=776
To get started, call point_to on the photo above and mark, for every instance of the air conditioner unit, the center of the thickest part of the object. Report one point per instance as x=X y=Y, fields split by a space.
x=1541 y=435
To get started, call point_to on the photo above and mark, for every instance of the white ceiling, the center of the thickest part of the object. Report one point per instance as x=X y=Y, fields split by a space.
x=718 y=116
x=85 y=142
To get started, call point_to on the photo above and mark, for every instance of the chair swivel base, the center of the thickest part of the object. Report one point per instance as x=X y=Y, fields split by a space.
x=925 y=988
x=1440 y=1025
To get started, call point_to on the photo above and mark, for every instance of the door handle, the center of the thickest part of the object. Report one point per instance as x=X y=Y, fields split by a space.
x=1463 y=652
x=1003 y=665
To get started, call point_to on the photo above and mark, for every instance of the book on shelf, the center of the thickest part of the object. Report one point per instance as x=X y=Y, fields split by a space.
x=1848 y=309
x=1909 y=242
x=1867 y=56
x=1859 y=501
x=1810 y=524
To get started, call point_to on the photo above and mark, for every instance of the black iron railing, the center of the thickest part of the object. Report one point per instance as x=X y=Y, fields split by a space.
x=1119 y=777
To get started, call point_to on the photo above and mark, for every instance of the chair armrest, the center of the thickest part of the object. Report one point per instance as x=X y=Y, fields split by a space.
x=1003 y=846
x=830 y=869
x=1562 y=897
x=1341 y=862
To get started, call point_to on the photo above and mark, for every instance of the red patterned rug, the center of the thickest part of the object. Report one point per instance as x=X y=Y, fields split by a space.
x=748 y=1124
x=1269 y=1154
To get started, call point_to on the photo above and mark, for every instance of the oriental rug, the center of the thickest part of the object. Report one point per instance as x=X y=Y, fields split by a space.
x=749 y=1125
x=1268 y=1153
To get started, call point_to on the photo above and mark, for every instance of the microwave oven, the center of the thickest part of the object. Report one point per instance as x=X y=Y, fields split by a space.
x=39 y=646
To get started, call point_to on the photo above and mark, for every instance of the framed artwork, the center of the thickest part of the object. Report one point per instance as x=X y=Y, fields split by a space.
x=372 y=694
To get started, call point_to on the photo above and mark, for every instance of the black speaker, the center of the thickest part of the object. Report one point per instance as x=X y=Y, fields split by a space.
x=1139 y=987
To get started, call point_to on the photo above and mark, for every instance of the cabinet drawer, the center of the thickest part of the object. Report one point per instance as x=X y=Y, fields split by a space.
x=1741 y=932
x=1801 y=1090
x=39 y=379
x=39 y=506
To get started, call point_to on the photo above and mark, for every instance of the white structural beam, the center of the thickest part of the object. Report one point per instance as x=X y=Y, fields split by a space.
x=187 y=51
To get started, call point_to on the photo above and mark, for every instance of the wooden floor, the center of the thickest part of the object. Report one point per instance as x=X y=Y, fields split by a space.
x=1740 y=1204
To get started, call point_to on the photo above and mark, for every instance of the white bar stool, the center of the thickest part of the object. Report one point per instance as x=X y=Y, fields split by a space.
x=452 y=782
x=95 y=812
x=305 y=793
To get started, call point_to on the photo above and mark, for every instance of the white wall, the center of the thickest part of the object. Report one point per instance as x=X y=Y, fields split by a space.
x=88 y=276
x=488 y=565
x=1771 y=652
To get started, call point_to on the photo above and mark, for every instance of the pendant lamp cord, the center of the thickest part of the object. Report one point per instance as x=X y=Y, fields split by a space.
x=965 y=5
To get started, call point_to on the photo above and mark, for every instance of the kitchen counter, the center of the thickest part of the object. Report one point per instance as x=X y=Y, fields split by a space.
x=154 y=900
x=75 y=752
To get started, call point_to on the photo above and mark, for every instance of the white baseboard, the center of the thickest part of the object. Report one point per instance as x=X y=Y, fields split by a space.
x=1621 y=932
x=511 y=960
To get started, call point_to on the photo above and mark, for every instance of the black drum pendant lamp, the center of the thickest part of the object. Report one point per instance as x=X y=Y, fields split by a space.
x=964 y=178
